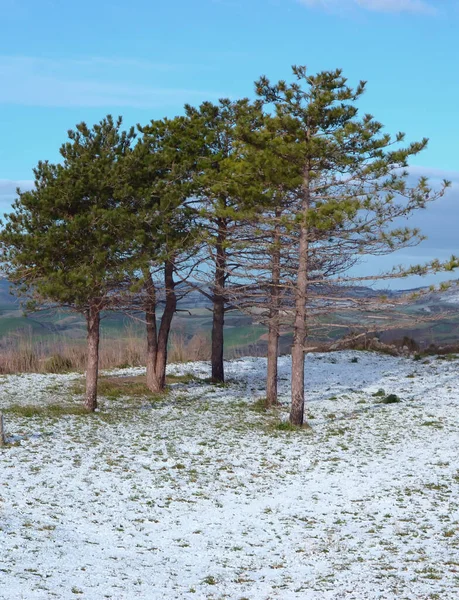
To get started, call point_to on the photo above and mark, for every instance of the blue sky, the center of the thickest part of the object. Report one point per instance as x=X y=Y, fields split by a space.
x=64 y=62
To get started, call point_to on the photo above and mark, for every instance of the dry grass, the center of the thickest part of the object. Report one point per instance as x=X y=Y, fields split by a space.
x=28 y=355
x=182 y=350
x=50 y=410
x=118 y=387
x=133 y=386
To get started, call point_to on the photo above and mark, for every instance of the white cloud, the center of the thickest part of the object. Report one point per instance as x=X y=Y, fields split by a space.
x=90 y=82
x=8 y=192
x=435 y=175
x=8 y=186
x=392 y=6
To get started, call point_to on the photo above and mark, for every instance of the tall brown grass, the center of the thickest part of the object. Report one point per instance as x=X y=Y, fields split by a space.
x=23 y=353
x=182 y=350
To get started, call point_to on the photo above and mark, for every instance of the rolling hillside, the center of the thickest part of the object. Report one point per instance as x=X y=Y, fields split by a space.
x=243 y=335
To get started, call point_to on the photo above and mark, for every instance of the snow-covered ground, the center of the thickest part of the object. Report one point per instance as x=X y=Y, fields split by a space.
x=200 y=496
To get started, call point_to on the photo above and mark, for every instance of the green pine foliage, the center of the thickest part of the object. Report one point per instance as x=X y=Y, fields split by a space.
x=160 y=175
x=285 y=192
x=355 y=173
x=65 y=241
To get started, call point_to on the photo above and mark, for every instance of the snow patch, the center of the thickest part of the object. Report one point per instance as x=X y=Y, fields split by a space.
x=199 y=496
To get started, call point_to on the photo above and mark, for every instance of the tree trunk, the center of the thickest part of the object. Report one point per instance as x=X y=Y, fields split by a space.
x=2 y=432
x=273 y=324
x=300 y=331
x=218 y=318
x=166 y=321
x=152 y=341
x=218 y=321
x=273 y=352
x=92 y=367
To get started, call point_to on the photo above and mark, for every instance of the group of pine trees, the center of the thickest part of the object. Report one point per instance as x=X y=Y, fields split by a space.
x=262 y=205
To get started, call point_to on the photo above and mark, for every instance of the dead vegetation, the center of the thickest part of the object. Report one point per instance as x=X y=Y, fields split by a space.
x=25 y=354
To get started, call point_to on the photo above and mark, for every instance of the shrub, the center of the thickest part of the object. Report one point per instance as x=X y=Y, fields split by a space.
x=391 y=399
x=58 y=364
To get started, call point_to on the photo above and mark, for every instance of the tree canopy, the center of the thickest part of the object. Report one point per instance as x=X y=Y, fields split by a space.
x=256 y=203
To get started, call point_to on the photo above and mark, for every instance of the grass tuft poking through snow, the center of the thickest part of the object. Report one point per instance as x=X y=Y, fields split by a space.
x=202 y=494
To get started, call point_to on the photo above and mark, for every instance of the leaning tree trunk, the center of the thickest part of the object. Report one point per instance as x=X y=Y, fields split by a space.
x=92 y=367
x=299 y=330
x=218 y=317
x=152 y=341
x=273 y=323
x=166 y=322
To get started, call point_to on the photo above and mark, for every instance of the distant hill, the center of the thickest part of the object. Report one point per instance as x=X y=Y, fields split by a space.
x=242 y=333
x=6 y=298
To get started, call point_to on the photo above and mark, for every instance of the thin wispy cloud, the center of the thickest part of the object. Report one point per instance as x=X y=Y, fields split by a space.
x=8 y=186
x=92 y=82
x=8 y=189
x=439 y=219
x=387 y=6
x=435 y=175
x=92 y=64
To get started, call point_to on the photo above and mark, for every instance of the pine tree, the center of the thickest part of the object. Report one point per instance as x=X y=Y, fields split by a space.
x=68 y=240
x=219 y=208
x=159 y=175
x=266 y=249
x=353 y=183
